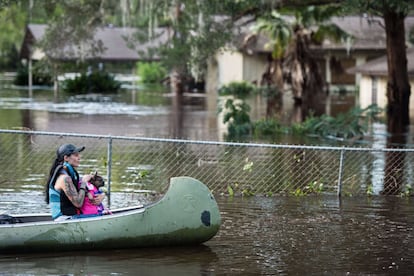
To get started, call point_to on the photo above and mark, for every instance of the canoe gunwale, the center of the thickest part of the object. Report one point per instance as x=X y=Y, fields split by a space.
x=46 y=218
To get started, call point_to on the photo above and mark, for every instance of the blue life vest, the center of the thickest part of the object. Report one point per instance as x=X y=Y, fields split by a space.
x=59 y=202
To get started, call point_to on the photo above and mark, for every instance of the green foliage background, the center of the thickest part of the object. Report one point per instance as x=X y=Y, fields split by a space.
x=151 y=72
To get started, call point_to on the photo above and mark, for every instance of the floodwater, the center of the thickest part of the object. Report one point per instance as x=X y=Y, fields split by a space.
x=263 y=236
x=143 y=113
x=314 y=235
x=139 y=112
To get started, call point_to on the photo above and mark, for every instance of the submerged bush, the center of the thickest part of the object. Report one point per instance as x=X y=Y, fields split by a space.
x=239 y=90
x=236 y=111
x=97 y=82
x=238 y=119
x=151 y=72
x=351 y=124
x=267 y=127
x=39 y=77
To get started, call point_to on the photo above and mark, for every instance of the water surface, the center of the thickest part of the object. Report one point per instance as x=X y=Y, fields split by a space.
x=148 y=113
x=263 y=236
x=315 y=235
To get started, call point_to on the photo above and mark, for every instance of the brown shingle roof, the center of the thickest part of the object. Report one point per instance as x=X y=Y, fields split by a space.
x=379 y=66
x=366 y=36
x=114 y=40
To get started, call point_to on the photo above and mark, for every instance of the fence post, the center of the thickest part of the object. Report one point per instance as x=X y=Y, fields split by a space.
x=109 y=170
x=341 y=169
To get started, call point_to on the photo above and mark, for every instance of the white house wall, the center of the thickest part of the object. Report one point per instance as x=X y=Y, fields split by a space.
x=366 y=90
x=38 y=54
x=366 y=96
x=230 y=67
x=253 y=68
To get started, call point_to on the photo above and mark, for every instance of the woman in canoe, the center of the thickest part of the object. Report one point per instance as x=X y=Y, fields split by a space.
x=62 y=192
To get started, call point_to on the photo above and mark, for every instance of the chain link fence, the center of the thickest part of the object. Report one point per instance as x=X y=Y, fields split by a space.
x=145 y=165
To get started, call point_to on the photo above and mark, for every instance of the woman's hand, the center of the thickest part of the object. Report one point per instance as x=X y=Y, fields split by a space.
x=86 y=178
x=98 y=199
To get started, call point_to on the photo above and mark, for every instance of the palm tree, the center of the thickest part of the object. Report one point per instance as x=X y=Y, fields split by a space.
x=278 y=29
x=291 y=41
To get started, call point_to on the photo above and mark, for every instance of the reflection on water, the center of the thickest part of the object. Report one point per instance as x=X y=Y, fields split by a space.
x=264 y=236
x=83 y=104
x=149 y=113
x=160 y=261
x=378 y=166
x=314 y=236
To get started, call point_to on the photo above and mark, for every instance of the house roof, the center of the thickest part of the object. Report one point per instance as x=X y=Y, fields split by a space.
x=379 y=66
x=117 y=45
x=367 y=36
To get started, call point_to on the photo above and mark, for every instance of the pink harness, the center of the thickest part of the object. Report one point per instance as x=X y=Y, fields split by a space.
x=88 y=208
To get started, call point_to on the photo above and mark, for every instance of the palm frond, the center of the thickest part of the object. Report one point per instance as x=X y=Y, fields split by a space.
x=330 y=31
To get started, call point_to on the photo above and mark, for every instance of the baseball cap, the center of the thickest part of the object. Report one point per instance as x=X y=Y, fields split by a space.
x=68 y=149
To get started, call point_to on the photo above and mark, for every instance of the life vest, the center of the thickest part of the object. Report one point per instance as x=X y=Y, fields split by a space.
x=59 y=202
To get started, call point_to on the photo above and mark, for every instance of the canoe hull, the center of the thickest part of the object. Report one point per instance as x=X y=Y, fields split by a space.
x=187 y=214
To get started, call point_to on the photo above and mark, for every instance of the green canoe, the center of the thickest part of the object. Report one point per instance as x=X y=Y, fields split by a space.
x=187 y=214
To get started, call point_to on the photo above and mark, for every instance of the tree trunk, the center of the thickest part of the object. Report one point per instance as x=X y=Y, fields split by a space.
x=398 y=95
x=177 y=89
x=177 y=75
x=305 y=77
x=177 y=82
x=272 y=80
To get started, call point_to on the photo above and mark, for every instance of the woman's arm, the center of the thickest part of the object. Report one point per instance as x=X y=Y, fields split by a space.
x=73 y=195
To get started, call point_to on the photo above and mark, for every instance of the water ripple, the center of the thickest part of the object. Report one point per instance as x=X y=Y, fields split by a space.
x=83 y=105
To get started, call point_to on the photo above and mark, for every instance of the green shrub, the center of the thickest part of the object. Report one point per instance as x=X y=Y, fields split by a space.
x=151 y=72
x=238 y=119
x=350 y=125
x=9 y=59
x=267 y=127
x=237 y=111
x=353 y=123
x=239 y=90
x=97 y=82
x=38 y=77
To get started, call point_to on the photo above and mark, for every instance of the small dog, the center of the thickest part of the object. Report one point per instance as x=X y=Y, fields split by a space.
x=97 y=180
x=94 y=187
